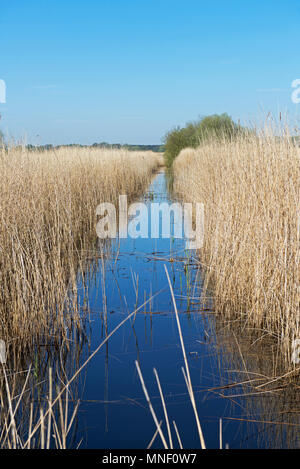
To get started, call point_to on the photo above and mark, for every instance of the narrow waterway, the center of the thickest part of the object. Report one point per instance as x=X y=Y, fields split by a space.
x=113 y=412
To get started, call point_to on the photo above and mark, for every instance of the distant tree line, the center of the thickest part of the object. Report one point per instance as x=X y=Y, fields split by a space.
x=115 y=146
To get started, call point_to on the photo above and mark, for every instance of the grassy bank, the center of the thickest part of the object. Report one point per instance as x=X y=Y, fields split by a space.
x=47 y=206
x=251 y=193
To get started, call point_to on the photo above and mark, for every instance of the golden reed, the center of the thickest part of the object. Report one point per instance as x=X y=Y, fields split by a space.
x=250 y=188
x=47 y=206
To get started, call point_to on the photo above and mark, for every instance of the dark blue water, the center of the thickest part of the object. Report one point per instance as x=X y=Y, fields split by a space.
x=113 y=412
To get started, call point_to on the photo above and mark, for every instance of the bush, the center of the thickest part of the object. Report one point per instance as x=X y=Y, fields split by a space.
x=215 y=126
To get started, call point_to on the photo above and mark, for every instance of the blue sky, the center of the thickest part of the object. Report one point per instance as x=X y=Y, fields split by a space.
x=129 y=70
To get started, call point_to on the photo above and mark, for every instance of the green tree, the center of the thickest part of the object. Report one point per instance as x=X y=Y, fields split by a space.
x=218 y=126
x=194 y=133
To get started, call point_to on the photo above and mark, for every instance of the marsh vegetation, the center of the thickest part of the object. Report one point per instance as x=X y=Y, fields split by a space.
x=77 y=313
x=251 y=259
x=47 y=239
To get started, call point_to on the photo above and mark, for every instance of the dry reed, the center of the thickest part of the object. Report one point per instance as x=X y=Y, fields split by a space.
x=48 y=219
x=47 y=207
x=250 y=188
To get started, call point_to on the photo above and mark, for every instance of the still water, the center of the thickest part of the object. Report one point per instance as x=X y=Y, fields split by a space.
x=113 y=412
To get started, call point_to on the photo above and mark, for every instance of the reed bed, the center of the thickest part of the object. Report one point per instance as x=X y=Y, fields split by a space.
x=47 y=206
x=47 y=241
x=250 y=188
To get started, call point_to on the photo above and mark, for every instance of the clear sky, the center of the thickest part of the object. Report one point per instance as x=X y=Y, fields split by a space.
x=128 y=70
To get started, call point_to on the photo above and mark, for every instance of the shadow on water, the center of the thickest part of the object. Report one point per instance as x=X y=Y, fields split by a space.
x=113 y=412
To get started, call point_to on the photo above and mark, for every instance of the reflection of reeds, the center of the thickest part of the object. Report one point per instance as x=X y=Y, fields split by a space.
x=251 y=194
x=27 y=396
x=255 y=376
x=188 y=382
